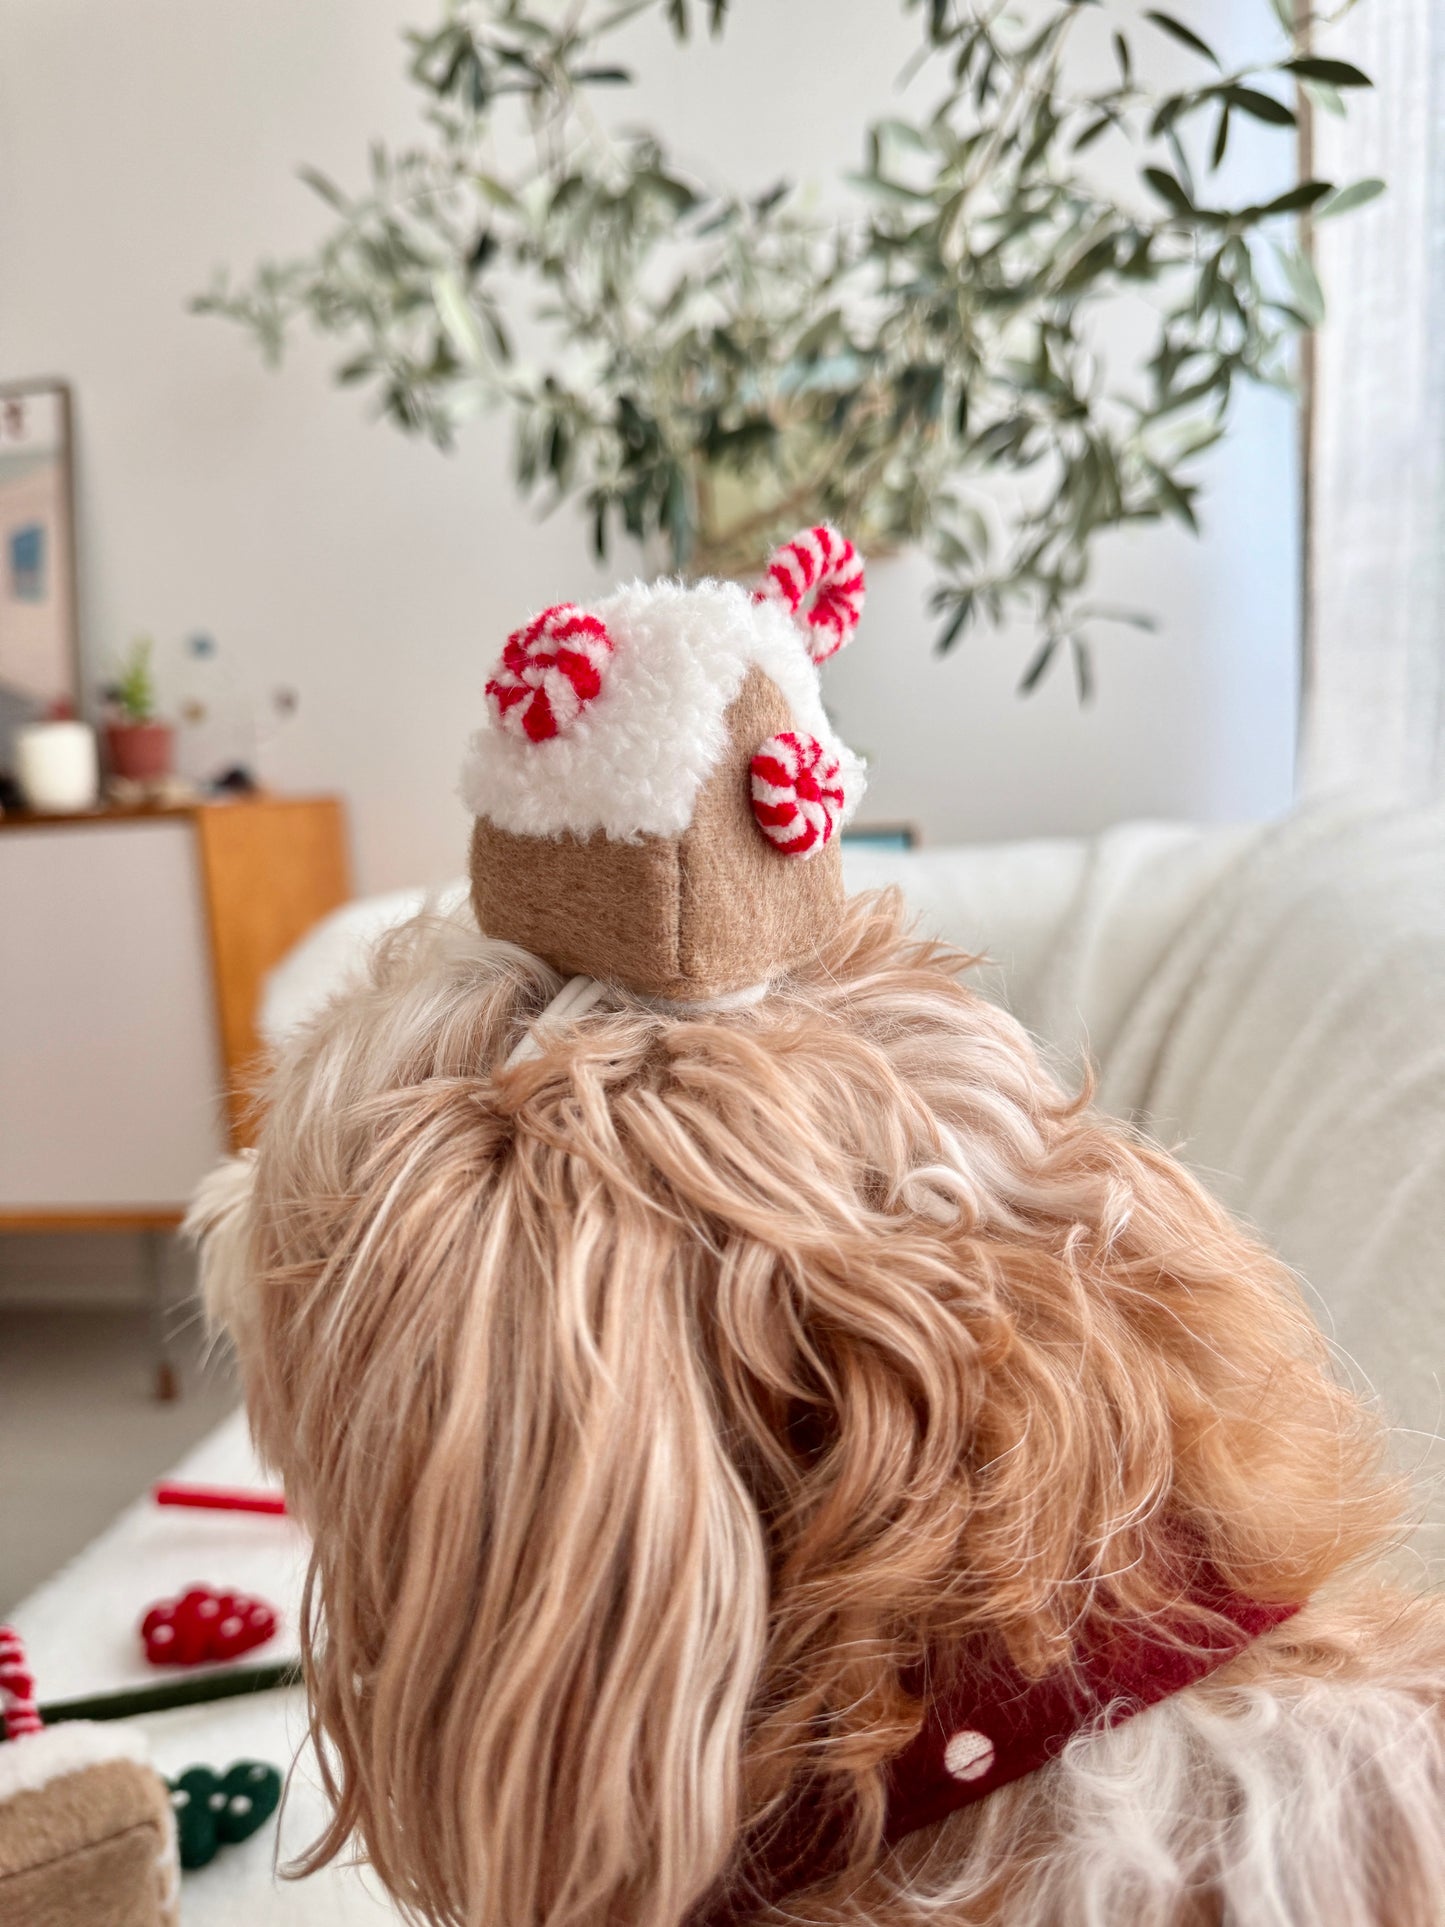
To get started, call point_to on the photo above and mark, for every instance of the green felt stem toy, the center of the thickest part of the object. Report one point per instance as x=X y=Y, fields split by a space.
x=214 y=1810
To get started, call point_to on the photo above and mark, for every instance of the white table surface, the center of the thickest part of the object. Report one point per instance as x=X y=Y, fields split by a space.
x=80 y=1629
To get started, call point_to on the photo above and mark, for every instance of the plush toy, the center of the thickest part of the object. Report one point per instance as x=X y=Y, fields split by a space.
x=203 y=1625
x=215 y=1810
x=771 y=1453
x=87 y=1837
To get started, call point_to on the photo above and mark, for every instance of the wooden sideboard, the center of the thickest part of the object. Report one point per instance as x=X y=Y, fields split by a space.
x=133 y=945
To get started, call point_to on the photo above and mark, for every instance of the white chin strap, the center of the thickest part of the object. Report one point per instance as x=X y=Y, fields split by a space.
x=581 y=994
x=574 y=999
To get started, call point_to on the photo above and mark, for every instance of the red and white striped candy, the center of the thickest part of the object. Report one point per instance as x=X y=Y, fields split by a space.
x=797 y=793
x=818 y=577
x=17 y=1686
x=549 y=672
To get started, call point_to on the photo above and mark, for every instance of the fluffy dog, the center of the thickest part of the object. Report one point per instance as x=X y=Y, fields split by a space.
x=674 y=1411
x=770 y=1454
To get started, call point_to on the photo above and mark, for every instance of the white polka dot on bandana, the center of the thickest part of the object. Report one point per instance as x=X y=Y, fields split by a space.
x=968 y=1755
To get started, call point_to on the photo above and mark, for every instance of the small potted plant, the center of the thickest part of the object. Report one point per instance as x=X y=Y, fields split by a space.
x=138 y=745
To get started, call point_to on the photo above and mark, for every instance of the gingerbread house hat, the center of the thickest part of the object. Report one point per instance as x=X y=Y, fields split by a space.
x=658 y=791
x=87 y=1830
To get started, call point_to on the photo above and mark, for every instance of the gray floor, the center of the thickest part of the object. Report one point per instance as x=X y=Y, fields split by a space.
x=81 y=1434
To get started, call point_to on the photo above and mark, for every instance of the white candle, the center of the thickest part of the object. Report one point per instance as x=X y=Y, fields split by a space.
x=57 y=766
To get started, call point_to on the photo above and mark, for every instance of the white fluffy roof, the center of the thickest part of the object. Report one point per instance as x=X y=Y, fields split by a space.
x=634 y=761
x=33 y=1762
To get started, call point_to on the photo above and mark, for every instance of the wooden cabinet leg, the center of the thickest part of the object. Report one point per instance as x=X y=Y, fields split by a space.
x=167 y=1381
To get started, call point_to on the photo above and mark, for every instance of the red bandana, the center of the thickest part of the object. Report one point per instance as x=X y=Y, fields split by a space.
x=988 y=1725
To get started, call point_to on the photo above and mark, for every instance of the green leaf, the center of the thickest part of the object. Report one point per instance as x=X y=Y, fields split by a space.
x=903 y=133
x=1124 y=58
x=963 y=614
x=498 y=193
x=1181 y=160
x=1298 y=200
x=602 y=77
x=1304 y=285
x=1334 y=73
x=678 y=195
x=1093 y=262
x=1263 y=107
x=1168 y=189
x=1329 y=99
x=1221 y=136
x=326 y=188
x=1033 y=675
x=459 y=318
x=1092 y=132
x=1174 y=497
x=1128 y=618
x=887 y=190
x=1186 y=36
x=1346 y=199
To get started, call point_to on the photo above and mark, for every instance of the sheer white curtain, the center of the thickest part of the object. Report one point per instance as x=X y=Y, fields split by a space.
x=1375 y=698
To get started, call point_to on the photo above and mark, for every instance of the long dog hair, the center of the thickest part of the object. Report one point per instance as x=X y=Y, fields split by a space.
x=659 y=1405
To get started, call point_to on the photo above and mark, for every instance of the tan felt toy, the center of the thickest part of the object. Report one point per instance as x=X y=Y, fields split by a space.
x=87 y=1837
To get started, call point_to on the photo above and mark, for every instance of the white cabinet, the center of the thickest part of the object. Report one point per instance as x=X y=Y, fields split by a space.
x=132 y=950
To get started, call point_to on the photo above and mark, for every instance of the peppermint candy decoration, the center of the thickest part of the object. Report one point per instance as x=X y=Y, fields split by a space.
x=797 y=793
x=17 y=1687
x=818 y=577
x=549 y=672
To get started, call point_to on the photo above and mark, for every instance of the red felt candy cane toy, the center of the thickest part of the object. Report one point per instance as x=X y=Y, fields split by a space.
x=17 y=1687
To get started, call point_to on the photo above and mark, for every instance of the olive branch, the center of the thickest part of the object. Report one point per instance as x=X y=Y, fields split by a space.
x=712 y=369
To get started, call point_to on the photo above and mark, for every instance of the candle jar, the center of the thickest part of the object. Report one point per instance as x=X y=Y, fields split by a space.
x=57 y=766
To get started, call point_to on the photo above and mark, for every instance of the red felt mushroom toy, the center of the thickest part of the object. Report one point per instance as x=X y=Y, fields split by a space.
x=204 y=1625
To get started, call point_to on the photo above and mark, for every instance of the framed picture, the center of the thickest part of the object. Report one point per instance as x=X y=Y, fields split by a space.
x=39 y=649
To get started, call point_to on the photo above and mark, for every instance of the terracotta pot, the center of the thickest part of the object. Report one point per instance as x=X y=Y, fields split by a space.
x=141 y=752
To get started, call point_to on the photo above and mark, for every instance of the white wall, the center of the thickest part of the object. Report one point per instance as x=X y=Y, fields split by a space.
x=143 y=144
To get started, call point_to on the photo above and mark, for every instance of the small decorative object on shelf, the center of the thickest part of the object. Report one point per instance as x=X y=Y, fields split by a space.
x=139 y=746
x=56 y=763
x=204 y=1626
